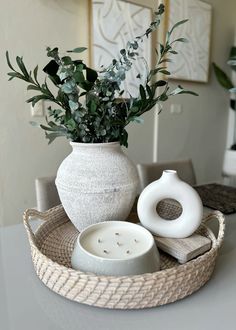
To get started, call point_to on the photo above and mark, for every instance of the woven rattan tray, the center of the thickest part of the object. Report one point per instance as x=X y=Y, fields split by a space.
x=51 y=248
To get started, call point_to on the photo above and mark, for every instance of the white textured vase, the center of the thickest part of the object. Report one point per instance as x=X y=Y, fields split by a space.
x=96 y=182
x=170 y=186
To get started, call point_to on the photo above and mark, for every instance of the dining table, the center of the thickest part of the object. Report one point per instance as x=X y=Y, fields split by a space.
x=27 y=304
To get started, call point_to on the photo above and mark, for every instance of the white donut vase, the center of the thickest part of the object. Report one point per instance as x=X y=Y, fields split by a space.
x=170 y=186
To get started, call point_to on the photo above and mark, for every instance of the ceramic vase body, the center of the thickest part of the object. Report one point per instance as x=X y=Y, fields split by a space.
x=96 y=182
x=170 y=186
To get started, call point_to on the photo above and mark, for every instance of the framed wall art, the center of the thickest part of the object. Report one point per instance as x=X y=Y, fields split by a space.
x=192 y=62
x=114 y=22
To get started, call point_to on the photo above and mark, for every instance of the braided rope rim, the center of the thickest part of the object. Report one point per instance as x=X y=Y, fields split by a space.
x=123 y=292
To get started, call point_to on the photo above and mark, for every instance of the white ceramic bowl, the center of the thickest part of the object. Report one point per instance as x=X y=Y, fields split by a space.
x=115 y=248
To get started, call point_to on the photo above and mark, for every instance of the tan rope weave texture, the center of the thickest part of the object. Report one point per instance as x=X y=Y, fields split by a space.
x=51 y=248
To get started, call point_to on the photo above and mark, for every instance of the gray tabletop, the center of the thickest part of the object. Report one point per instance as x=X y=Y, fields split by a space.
x=26 y=304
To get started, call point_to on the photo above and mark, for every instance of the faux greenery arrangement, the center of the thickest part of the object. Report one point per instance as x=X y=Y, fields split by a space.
x=89 y=106
x=225 y=81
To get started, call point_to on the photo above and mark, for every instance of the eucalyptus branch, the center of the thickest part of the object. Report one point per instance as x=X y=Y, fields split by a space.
x=89 y=106
x=46 y=94
x=116 y=71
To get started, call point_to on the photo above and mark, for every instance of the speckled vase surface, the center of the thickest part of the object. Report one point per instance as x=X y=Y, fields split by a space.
x=96 y=182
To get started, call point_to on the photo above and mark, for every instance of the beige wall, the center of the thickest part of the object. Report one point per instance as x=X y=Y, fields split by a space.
x=200 y=131
x=27 y=27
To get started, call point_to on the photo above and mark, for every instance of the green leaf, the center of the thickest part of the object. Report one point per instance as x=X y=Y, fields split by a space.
x=8 y=61
x=82 y=94
x=149 y=91
x=22 y=67
x=181 y=40
x=33 y=87
x=91 y=75
x=154 y=71
x=103 y=132
x=178 y=24
x=66 y=60
x=142 y=92
x=52 y=52
x=77 y=50
x=163 y=97
x=137 y=120
x=162 y=48
x=167 y=36
x=51 y=68
x=188 y=92
x=180 y=90
x=160 y=83
x=37 y=98
x=64 y=73
x=45 y=90
x=166 y=60
x=86 y=85
x=222 y=78
x=55 y=79
x=52 y=136
x=63 y=98
x=73 y=105
x=35 y=72
x=167 y=73
x=71 y=124
x=93 y=106
x=134 y=109
x=124 y=138
x=35 y=124
x=53 y=128
x=79 y=65
x=16 y=75
x=79 y=77
x=176 y=91
x=68 y=87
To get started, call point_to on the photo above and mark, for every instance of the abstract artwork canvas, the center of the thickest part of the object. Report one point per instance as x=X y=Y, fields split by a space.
x=114 y=22
x=192 y=62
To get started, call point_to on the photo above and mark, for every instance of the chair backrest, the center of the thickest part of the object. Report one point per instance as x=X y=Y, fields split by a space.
x=151 y=172
x=46 y=193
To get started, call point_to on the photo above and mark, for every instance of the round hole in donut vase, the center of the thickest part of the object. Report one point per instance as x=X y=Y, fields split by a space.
x=170 y=186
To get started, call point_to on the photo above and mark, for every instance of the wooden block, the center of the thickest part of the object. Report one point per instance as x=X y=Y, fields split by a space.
x=184 y=249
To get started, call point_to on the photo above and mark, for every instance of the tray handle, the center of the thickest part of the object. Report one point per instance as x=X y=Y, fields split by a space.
x=30 y=214
x=221 y=220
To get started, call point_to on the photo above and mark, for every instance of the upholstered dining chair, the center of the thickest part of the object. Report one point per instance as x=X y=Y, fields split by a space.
x=46 y=193
x=153 y=171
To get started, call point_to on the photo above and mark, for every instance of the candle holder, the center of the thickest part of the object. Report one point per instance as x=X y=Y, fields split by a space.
x=115 y=248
